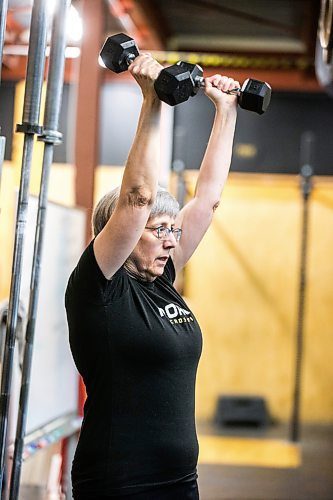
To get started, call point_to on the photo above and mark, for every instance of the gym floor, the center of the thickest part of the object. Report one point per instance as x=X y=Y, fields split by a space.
x=309 y=475
x=312 y=479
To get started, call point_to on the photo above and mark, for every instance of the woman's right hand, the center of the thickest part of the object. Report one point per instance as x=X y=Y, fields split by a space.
x=216 y=87
x=145 y=69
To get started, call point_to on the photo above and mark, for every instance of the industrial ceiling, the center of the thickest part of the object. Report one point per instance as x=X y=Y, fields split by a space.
x=260 y=34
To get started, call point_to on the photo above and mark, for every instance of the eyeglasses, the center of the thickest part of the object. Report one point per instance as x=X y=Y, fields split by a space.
x=163 y=232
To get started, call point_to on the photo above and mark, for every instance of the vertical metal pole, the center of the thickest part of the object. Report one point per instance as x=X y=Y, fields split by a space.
x=30 y=127
x=3 y=17
x=306 y=172
x=50 y=136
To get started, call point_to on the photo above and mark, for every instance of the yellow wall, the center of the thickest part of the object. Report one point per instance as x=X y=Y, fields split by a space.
x=106 y=179
x=7 y=200
x=243 y=286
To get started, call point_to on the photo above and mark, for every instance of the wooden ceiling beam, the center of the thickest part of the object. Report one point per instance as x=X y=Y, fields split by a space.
x=295 y=79
x=15 y=66
x=280 y=80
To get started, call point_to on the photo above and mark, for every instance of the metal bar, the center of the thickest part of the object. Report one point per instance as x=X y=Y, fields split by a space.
x=50 y=136
x=306 y=172
x=29 y=126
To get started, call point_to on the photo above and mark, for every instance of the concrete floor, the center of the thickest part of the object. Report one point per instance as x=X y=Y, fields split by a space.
x=313 y=480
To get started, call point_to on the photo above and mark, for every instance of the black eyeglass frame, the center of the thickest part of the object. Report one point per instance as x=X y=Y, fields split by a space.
x=177 y=232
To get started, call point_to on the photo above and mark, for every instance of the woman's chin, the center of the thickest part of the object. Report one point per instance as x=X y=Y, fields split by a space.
x=158 y=269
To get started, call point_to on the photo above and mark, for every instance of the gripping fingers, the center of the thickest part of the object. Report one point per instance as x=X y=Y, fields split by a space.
x=138 y=64
x=144 y=65
x=226 y=84
x=218 y=88
x=223 y=83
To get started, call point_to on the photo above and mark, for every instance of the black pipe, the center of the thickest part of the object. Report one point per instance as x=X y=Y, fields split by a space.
x=178 y=164
x=306 y=172
x=30 y=127
x=50 y=137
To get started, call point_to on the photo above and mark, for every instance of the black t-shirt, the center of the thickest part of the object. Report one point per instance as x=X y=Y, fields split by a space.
x=137 y=346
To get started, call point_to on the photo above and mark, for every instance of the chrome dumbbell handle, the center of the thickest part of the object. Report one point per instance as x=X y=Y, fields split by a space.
x=200 y=82
x=129 y=59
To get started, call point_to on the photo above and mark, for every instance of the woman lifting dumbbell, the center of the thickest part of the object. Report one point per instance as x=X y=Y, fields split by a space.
x=134 y=340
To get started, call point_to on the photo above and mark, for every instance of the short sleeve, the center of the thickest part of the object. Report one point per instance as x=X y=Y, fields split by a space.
x=89 y=283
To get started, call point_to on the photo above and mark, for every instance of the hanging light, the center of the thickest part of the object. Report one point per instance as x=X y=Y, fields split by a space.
x=74 y=27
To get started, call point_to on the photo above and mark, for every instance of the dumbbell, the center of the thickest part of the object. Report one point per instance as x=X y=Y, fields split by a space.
x=118 y=52
x=177 y=83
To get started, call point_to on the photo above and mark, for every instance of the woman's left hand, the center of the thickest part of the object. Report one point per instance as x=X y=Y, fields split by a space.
x=215 y=88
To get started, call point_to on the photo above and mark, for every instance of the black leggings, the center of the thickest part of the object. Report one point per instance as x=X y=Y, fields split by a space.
x=180 y=491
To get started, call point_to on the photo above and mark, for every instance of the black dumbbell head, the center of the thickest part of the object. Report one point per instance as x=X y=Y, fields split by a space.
x=176 y=83
x=255 y=96
x=118 y=51
x=196 y=73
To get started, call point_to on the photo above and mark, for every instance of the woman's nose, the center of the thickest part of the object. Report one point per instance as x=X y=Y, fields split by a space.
x=170 y=241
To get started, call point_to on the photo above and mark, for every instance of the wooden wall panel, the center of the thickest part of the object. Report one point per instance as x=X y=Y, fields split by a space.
x=243 y=286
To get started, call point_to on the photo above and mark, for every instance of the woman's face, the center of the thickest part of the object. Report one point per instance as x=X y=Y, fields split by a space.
x=151 y=253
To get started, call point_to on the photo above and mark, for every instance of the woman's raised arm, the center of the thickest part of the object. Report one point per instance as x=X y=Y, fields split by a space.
x=197 y=215
x=120 y=235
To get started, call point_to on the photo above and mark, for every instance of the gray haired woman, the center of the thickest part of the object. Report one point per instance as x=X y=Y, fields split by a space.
x=134 y=340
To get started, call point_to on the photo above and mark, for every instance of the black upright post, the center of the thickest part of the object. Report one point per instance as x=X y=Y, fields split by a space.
x=306 y=172
x=51 y=137
x=178 y=164
x=30 y=127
